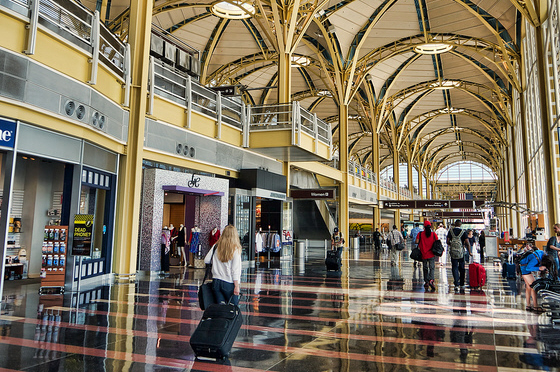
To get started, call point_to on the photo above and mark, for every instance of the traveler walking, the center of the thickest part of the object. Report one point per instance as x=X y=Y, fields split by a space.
x=425 y=241
x=457 y=240
x=413 y=234
x=377 y=238
x=553 y=246
x=482 y=245
x=441 y=232
x=396 y=243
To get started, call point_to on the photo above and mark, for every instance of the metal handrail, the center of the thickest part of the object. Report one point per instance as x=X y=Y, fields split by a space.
x=76 y=24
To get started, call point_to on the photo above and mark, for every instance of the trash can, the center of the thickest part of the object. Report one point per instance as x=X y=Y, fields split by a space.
x=300 y=249
x=355 y=243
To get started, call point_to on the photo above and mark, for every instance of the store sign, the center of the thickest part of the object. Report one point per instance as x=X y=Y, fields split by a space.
x=287 y=237
x=313 y=194
x=7 y=133
x=83 y=234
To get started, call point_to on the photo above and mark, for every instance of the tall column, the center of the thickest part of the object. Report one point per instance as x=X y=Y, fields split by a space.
x=284 y=77
x=546 y=121
x=397 y=213
x=343 y=214
x=376 y=167
x=420 y=191
x=519 y=229
x=130 y=172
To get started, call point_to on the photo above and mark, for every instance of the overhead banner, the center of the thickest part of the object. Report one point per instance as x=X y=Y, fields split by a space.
x=313 y=194
x=432 y=204
x=83 y=233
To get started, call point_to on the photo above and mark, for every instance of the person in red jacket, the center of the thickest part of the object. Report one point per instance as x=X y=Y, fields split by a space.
x=425 y=240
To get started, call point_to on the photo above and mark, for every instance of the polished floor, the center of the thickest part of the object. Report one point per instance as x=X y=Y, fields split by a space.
x=297 y=317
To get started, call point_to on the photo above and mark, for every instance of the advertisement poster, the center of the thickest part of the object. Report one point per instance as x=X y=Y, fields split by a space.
x=83 y=233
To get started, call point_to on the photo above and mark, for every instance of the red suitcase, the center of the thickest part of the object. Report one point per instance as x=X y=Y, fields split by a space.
x=477 y=275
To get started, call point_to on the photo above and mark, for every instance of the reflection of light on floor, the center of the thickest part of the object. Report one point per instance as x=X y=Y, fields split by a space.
x=436 y=318
x=448 y=307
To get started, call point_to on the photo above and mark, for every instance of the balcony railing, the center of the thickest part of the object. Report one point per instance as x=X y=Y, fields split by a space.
x=289 y=116
x=363 y=173
x=389 y=185
x=180 y=88
x=79 y=26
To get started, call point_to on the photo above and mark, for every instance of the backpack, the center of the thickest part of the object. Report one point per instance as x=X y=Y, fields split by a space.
x=456 y=245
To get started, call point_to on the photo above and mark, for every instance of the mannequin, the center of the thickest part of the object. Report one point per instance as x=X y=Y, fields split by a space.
x=259 y=241
x=165 y=248
x=194 y=242
x=181 y=239
x=214 y=236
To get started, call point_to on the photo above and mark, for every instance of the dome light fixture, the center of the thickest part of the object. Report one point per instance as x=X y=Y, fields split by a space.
x=300 y=61
x=433 y=48
x=451 y=110
x=445 y=84
x=236 y=9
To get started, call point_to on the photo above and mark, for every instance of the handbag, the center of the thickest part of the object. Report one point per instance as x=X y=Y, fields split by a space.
x=437 y=248
x=416 y=254
x=205 y=292
x=399 y=246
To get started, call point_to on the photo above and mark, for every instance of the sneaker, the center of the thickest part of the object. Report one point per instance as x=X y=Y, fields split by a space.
x=432 y=285
x=426 y=285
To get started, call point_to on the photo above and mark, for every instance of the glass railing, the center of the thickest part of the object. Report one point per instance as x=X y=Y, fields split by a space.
x=77 y=25
x=289 y=116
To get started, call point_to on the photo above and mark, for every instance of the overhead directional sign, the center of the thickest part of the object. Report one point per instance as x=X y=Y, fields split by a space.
x=399 y=204
x=467 y=214
x=313 y=194
x=432 y=204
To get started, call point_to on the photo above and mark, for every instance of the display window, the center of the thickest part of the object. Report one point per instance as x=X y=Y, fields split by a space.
x=97 y=198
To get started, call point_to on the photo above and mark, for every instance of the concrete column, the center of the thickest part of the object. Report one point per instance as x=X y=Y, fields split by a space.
x=130 y=172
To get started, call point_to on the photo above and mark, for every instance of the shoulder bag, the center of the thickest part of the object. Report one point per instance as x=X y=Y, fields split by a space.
x=205 y=292
x=437 y=248
x=398 y=246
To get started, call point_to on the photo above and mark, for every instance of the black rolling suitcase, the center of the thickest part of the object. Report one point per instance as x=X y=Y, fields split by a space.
x=218 y=328
x=334 y=260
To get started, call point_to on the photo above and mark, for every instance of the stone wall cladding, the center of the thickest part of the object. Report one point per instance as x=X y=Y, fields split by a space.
x=211 y=211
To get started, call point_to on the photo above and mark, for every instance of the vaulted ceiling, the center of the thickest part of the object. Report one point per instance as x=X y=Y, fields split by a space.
x=436 y=109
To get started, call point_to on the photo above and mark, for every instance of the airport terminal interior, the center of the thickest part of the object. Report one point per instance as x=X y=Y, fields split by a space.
x=133 y=132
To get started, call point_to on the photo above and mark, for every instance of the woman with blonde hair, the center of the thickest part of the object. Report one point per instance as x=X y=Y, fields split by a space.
x=225 y=257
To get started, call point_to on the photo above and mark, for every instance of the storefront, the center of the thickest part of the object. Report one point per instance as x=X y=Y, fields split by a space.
x=263 y=215
x=171 y=199
x=47 y=178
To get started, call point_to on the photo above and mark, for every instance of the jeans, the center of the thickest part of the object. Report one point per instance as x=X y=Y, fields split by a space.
x=458 y=270
x=428 y=269
x=223 y=291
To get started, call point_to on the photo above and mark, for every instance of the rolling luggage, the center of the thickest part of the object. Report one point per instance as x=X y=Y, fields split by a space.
x=333 y=260
x=477 y=275
x=508 y=268
x=218 y=328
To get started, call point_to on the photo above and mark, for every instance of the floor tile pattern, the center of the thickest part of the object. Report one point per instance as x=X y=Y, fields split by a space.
x=371 y=316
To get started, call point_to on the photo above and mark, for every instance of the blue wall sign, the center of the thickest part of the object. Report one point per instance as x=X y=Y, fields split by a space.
x=7 y=133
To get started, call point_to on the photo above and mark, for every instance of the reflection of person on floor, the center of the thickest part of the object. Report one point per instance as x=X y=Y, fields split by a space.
x=165 y=248
x=226 y=266
x=461 y=332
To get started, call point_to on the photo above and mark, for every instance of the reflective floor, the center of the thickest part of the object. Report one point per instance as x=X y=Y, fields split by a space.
x=297 y=317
